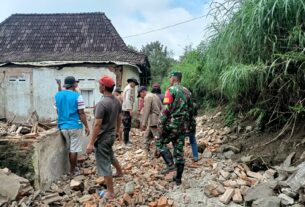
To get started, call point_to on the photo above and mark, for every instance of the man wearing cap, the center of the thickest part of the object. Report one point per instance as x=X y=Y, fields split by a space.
x=71 y=118
x=172 y=126
x=106 y=125
x=127 y=106
x=150 y=118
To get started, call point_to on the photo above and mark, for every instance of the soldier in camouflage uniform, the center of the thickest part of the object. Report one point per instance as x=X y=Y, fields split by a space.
x=173 y=126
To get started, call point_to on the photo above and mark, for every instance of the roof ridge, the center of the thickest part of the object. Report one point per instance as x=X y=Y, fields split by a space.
x=47 y=14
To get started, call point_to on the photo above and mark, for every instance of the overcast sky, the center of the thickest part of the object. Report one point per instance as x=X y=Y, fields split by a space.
x=131 y=17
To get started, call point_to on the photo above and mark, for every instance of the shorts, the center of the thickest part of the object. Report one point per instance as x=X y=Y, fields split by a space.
x=104 y=154
x=72 y=137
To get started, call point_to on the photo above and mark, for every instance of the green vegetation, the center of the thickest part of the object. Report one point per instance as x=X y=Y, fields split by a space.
x=253 y=61
x=160 y=60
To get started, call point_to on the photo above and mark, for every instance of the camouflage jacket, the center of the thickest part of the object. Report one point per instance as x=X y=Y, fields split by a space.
x=176 y=110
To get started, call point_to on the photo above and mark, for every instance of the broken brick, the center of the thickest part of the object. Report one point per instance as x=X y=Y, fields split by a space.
x=162 y=202
x=153 y=204
x=226 y=197
x=237 y=197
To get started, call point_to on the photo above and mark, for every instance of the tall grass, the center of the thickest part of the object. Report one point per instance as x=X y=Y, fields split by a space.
x=255 y=56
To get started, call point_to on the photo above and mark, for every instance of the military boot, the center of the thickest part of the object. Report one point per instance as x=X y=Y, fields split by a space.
x=168 y=158
x=180 y=168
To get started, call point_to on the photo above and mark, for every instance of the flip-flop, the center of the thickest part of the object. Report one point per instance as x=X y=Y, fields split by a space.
x=103 y=196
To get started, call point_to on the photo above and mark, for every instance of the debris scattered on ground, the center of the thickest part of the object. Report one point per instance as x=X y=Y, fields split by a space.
x=215 y=180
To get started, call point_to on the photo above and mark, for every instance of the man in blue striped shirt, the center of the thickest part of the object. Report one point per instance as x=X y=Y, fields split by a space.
x=71 y=118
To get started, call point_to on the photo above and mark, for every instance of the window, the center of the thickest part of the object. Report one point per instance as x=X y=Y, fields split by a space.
x=13 y=78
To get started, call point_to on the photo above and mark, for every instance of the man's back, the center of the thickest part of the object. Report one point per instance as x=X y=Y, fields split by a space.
x=128 y=98
x=67 y=103
x=108 y=110
x=178 y=106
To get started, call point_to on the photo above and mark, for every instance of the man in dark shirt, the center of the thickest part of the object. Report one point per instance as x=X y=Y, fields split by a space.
x=106 y=125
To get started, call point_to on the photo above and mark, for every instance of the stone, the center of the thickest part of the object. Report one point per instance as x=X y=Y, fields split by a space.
x=86 y=171
x=130 y=187
x=226 y=131
x=237 y=197
x=226 y=197
x=261 y=190
x=170 y=202
x=3 y=200
x=76 y=185
x=85 y=198
x=207 y=154
x=244 y=190
x=51 y=198
x=289 y=192
x=224 y=174
x=255 y=175
x=246 y=159
x=230 y=183
x=210 y=190
x=12 y=129
x=241 y=182
x=248 y=129
x=127 y=198
x=139 y=151
x=285 y=199
x=271 y=201
x=153 y=204
x=220 y=189
x=100 y=181
x=162 y=202
x=226 y=148
x=228 y=154
x=12 y=185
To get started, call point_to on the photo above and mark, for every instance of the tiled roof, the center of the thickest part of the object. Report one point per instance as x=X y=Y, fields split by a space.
x=63 y=37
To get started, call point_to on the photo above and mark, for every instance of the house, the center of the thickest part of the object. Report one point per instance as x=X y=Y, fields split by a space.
x=36 y=49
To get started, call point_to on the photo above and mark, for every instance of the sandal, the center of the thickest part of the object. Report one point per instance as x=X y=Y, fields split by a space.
x=105 y=196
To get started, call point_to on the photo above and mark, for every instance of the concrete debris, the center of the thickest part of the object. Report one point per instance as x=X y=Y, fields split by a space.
x=12 y=186
x=211 y=181
x=286 y=200
x=271 y=201
x=259 y=191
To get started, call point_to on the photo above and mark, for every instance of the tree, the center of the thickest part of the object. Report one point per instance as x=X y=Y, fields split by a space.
x=160 y=60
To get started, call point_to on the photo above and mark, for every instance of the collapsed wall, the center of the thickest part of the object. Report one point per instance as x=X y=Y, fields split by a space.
x=41 y=159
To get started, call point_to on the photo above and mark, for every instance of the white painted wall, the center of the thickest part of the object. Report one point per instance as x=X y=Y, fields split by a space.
x=15 y=93
x=44 y=94
x=37 y=92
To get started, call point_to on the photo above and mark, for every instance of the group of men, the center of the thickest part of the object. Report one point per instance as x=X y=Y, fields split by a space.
x=165 y=119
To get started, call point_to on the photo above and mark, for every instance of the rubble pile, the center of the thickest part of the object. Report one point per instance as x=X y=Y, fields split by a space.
x=215 y=180
x=28 y=130
x=23 y=131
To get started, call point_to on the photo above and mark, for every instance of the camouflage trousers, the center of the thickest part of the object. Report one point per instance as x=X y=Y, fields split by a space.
x=176 y=137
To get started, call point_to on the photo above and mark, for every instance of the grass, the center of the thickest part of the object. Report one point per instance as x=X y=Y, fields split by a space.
x=255 y=56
